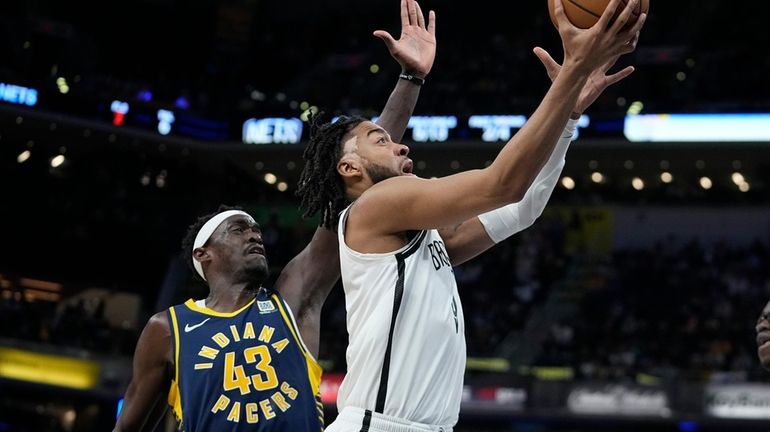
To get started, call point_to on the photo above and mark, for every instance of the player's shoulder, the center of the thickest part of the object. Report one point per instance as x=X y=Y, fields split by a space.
x=153 y=346
x=386 y=195
x=158 y=324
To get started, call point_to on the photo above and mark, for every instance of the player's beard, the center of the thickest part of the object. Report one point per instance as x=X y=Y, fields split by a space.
x=379 y=173
x=258 y=273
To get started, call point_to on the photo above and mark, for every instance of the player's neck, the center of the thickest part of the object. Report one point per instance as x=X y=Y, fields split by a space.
x=230 y=297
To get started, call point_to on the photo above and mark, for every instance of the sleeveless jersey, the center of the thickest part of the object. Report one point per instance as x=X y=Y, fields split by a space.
x=243 y=371
x=406 y=356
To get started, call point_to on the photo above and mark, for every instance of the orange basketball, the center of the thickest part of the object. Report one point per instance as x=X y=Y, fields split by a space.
x=585 y=13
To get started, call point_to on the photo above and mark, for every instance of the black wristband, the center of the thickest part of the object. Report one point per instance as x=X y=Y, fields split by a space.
x=411 y=78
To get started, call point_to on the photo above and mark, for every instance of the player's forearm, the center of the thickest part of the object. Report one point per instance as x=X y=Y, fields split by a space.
x=523 y=157
x=395 y=116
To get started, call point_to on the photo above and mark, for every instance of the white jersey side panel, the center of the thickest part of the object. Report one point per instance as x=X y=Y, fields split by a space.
x=421 y=355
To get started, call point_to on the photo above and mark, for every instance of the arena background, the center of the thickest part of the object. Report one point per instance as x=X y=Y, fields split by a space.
x=629 y=306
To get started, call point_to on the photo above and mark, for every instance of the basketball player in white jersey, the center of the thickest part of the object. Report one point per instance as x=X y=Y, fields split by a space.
x=402 y=234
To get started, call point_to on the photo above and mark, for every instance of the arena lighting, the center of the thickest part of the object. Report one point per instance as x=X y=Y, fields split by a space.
x=160 y=179
x=182 y=103
x=705 y=183
x=272 y=131
x=427 y=128
x=744 y=187
x=305 y=116
x=165 y=119
x=431 y=128
x=257 y=95
x=568 y=183
x=688 y=426
x=119 y=110
x=738 y=178
x=270 y=178
x=23 y=156
x=635 y=108
x=697 y=128
x=57 y=160
x=282 y=186
x=496 y=127
x=40 y=284
x=61 y=82
x=597 y=177
x=48 y=369
x=17 y=94
x=666 y=177
x=637 y=183
x=144 y=95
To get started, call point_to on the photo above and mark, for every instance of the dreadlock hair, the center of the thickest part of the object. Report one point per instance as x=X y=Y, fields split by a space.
x=320 y=187
x=192 y=232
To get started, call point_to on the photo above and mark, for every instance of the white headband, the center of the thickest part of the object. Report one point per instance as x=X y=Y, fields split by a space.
x=208 y=228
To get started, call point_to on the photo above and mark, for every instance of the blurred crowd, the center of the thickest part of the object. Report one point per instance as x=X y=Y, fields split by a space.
x=72 y=325
x=669 y=311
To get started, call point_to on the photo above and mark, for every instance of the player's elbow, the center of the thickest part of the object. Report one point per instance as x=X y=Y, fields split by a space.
x=510 y=191
x=506 y=188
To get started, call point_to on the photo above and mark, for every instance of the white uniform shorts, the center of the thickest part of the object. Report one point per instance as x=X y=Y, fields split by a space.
x=353 y=419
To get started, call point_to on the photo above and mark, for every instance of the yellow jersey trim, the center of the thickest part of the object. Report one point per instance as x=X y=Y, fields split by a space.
x=204 y=310
x=174 y=395
x=313 y=368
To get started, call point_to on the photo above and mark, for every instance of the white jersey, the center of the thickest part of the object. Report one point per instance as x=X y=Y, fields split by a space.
x=406 y=356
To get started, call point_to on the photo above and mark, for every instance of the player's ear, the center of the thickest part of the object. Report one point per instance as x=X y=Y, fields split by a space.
x=201 y=254
x=350 y=166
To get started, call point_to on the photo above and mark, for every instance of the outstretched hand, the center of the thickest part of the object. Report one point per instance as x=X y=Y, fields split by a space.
x=597 y=82
x=415 y=49
x=610 y=37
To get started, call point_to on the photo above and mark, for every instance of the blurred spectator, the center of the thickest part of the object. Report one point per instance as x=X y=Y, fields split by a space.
x=668 y=311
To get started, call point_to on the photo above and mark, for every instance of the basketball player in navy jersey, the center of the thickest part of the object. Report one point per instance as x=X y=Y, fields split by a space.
x=401 y=235
x=763 y=337
x=243 y=358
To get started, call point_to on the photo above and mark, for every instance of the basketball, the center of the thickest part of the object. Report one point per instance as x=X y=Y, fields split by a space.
x=585 y=13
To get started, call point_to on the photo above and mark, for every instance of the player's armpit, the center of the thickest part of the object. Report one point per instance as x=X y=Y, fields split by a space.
x=465 y=241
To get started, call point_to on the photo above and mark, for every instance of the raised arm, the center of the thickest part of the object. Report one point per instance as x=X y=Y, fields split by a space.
x=476 y=235
x=414 y=51
x=151 y=375
x=306 y=281
x=407 y=203
x=309 y=277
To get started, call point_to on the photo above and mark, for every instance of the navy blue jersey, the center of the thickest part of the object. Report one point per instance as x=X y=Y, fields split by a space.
x=243 y=371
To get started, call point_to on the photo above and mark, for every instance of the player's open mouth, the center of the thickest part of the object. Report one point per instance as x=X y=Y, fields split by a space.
x=407 y=168
x=257 y=250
